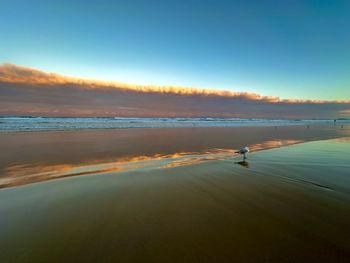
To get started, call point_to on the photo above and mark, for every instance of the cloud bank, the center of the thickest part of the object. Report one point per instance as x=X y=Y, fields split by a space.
x=26 y=91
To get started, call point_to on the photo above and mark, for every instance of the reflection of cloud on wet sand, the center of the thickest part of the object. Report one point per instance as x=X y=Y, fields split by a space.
x=19 y=174
x=30 y=173
x=273 y=144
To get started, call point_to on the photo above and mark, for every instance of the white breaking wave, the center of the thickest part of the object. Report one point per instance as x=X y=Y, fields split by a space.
x=8 y=124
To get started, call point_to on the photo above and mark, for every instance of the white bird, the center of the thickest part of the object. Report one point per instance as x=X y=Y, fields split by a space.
x=244 y=151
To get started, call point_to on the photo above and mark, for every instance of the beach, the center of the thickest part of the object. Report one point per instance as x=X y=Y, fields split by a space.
x=176 y=195
x=175 y=131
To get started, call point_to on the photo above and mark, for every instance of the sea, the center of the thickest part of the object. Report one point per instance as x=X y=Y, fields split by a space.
x=29 y=123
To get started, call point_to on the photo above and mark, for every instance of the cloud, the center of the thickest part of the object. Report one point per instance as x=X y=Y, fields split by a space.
x=26 y=91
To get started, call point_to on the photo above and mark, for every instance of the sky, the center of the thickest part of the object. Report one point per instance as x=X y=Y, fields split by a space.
x=289 y=49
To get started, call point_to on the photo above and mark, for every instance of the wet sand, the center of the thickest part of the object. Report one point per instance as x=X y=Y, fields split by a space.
x=29 y=157
x=289 y=204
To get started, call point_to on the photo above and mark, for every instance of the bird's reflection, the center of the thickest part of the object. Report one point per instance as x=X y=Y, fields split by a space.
x=243 y=163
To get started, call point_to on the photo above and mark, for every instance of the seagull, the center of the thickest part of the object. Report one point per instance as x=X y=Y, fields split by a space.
x=244 y=151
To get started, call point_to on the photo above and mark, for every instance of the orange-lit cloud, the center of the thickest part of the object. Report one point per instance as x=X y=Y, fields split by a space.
x=26 y=91
x=16 y=74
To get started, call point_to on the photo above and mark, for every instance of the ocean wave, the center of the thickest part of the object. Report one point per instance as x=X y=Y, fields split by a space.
x=32 y=123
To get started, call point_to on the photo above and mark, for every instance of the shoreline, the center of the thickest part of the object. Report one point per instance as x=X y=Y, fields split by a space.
x=318 y=125
x=132 y=128
x=128 y=128
x=51 y=155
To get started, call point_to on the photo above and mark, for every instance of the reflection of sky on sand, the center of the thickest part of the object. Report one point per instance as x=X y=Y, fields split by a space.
x=19 y=174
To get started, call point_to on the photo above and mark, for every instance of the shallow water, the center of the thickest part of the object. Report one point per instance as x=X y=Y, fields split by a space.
x=289 y=204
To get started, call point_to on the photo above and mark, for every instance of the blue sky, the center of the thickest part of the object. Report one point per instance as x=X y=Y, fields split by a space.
x=291 y=49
